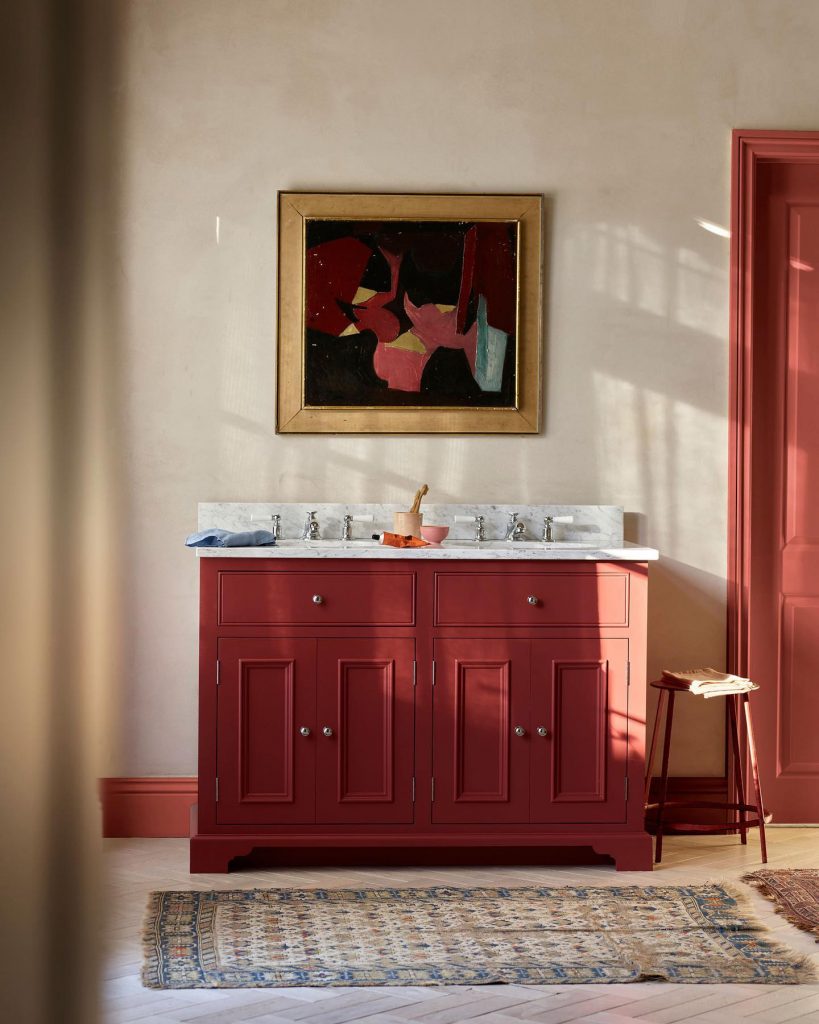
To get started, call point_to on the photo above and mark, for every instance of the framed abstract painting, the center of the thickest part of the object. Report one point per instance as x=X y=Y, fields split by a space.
x=409 y=313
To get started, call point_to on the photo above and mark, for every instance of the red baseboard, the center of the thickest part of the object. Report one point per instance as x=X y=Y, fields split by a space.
x=159 y=808
x=147 y=807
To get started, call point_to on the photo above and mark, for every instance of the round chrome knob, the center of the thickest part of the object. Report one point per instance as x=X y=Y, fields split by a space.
x=542 y=730
x=519 y=730
x=327 y=730
x=318 y=599
x=531 y=599
x=305 y=730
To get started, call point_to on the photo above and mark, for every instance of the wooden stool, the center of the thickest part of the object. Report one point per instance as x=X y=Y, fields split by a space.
x=668 y=691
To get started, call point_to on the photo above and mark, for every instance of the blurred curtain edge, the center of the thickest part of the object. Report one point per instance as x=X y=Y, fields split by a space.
x=61 y=497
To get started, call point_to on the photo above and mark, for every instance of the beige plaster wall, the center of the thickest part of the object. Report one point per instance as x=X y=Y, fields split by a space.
x=619 y=112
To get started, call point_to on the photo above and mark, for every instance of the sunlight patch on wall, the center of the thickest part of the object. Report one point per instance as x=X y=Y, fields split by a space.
x=664 y=458
x=623 y=262
x=700 y=294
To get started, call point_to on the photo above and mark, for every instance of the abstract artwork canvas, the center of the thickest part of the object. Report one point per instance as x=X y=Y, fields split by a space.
x=409 y=313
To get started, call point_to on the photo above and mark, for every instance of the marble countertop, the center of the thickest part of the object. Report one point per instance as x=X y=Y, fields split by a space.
x=489 y=550
x=592 y=533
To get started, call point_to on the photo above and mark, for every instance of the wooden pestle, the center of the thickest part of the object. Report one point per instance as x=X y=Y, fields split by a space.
x=419 y=494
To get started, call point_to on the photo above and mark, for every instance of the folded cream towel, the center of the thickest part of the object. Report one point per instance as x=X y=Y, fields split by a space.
x=709 y=682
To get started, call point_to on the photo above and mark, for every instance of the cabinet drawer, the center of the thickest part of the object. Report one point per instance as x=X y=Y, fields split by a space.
x=504 y=599
x=316 y=598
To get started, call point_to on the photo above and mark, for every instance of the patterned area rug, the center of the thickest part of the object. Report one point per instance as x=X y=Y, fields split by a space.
x=451 y=936
x=794 y=893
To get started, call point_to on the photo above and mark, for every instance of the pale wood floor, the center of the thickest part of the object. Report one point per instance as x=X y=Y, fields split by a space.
x=137 y=866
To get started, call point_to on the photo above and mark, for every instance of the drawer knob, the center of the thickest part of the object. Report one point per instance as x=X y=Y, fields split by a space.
x=531 y=599
x=318 y=599
x=327 y=731
x=305 y=730
x=519 y=730
x=542 y=730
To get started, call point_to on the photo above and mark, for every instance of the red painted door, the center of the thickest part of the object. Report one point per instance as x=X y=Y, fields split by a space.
x=481 y=731
x=579 y=730
x=365 y=731
x=266 y=767
x=783 y=619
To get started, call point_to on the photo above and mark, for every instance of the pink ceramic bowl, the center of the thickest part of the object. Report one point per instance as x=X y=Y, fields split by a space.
x=434 y=534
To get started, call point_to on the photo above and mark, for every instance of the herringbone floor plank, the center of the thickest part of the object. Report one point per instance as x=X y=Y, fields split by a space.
x=136 y=866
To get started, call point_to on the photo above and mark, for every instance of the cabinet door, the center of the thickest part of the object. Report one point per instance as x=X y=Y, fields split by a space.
x=266 y=767
x=365 y=731
x=579 y=697
x=480 y=764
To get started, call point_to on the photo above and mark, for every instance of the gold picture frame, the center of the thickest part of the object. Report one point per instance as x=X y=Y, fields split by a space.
x=449 y=369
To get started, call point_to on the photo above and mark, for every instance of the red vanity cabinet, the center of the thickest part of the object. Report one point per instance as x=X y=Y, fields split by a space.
x=421 y=706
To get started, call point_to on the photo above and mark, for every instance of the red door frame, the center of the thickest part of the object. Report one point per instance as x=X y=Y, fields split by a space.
x=749 y=148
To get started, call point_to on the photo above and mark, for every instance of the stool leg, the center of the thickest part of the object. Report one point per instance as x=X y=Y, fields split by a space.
x=653 y=748
x=669 y=717
x=739 y=781
x=755 y=775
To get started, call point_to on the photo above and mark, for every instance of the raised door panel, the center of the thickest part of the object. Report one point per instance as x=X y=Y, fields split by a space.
x=480 y=763
x=266 y=767
x=366 y=729
x=580 y=730
x=797 y=751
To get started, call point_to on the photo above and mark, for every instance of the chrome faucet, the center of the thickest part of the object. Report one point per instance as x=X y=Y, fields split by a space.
x=311 y=527
x=276 y=527
x=515 y=530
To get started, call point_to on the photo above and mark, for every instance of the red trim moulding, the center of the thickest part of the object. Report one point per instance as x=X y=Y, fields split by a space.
x=149 y=808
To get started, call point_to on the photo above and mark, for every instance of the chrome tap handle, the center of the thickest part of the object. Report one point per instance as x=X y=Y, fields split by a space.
x=347 y=528
x=480 y=534
x=477 y=521
x=549 y=521
x=274 y=520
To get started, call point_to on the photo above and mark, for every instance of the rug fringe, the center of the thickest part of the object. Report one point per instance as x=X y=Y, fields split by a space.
x=151 y=959
x=757 y=881
x=804 y=964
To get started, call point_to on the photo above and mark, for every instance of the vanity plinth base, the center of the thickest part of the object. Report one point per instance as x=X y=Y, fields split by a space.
x=213 y=854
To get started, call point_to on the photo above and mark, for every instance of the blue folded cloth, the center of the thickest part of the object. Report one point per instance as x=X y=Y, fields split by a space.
x=215 y=538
